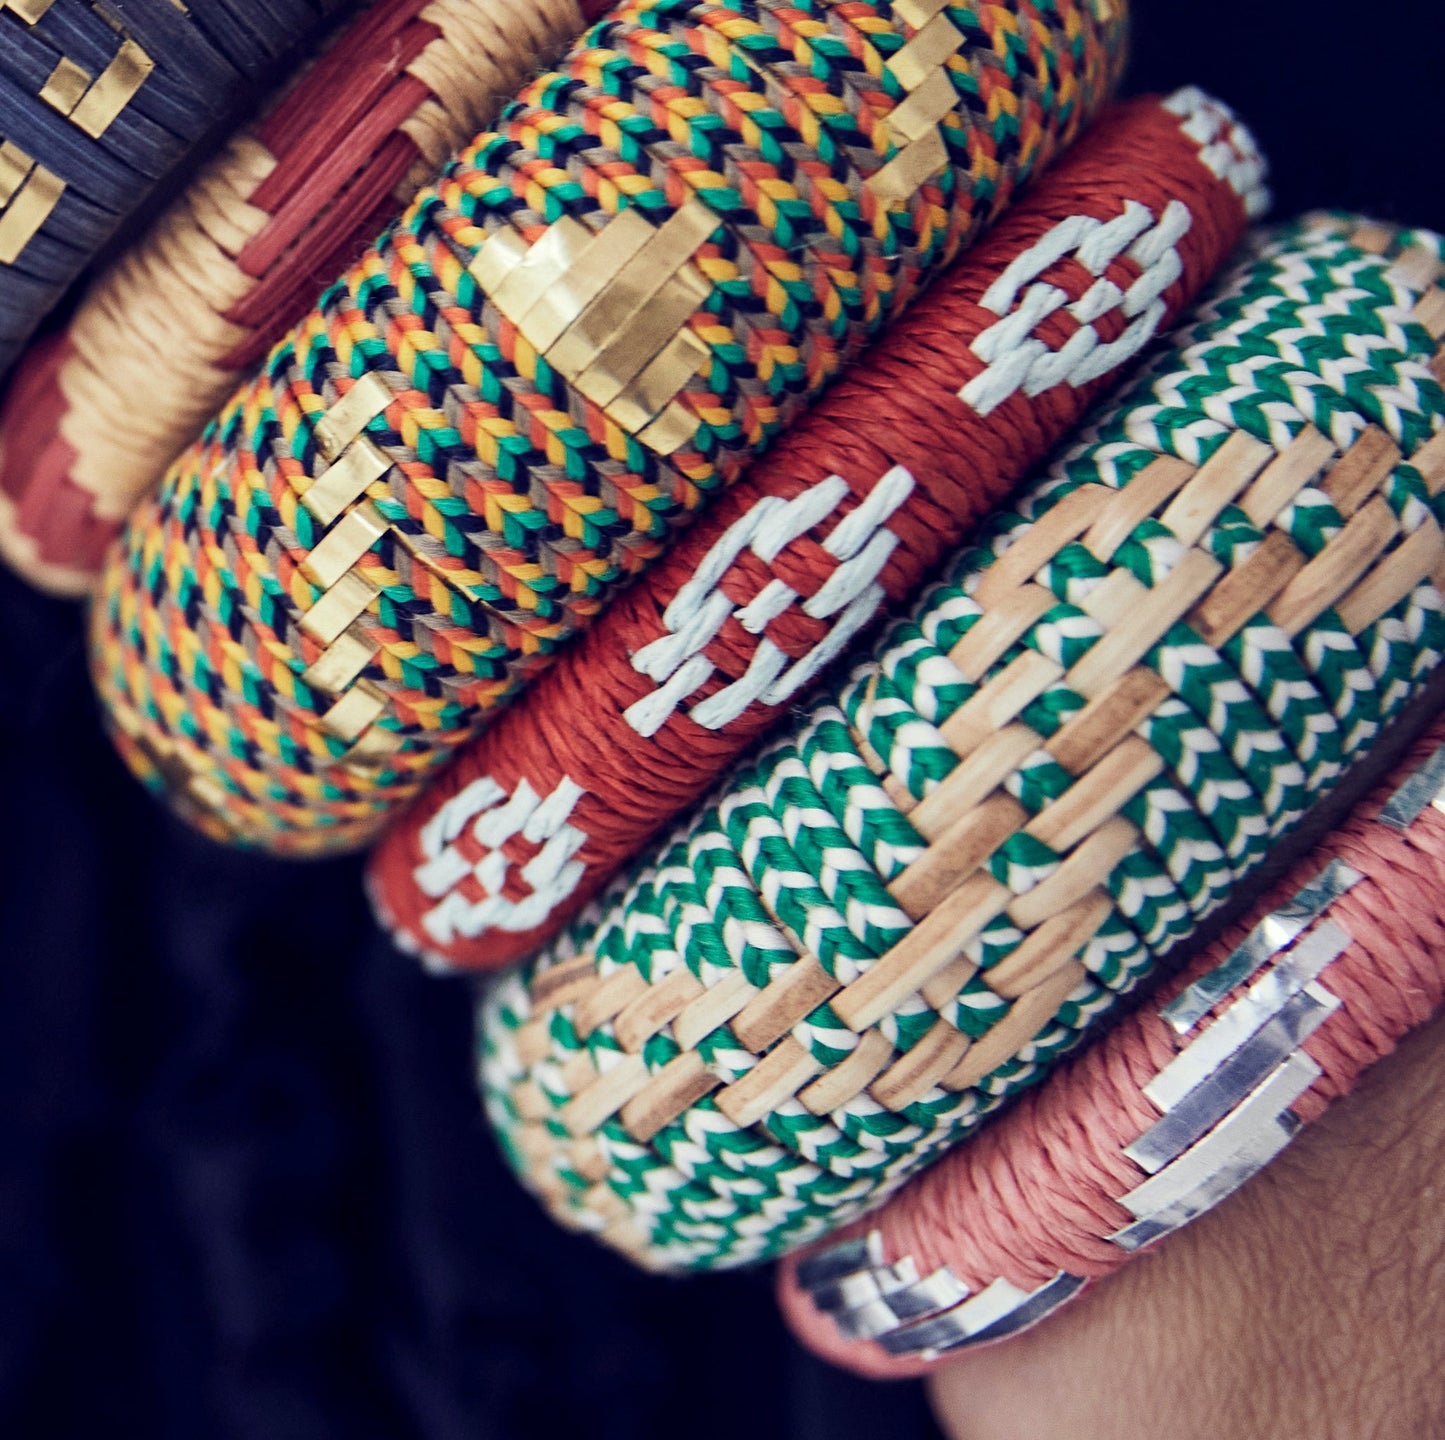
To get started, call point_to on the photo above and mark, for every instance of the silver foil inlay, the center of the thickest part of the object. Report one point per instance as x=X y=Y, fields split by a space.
x=1277 y=930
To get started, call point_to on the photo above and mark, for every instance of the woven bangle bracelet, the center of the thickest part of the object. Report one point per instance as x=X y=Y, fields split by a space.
x=857 y=502
x=240 y=258
x=1171 y=1112
x=99 y=104
x=1120 y=700
x=561 y=351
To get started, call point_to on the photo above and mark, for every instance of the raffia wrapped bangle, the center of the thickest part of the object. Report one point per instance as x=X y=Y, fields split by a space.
x=566 y=347
x=861 y=498
x=239 y=258
x=1111 y=712
x=1171 y=1112
x=101 y=104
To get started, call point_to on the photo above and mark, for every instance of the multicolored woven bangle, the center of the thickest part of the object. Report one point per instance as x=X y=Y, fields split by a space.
x=240 y=258
x=563 y=350
x=100 y=104
x=1172 y=1111
x=847 y=514
x=1116 y=706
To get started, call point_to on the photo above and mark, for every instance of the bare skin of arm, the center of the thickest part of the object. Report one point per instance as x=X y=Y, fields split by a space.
x=1310 y=1306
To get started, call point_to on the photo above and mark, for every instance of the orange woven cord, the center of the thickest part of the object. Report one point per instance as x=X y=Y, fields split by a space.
x=857 y=503
x=101 y=409
x=1276 y=1020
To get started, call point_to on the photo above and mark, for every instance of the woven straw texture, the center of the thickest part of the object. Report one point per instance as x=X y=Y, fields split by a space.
x=1112 y=709
x=562 y=351
x=240 y=257
x=1324 y=989
x=99 y=105
x=848 y=513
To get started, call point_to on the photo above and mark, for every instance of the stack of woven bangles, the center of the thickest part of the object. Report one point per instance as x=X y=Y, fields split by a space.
x=798 y=908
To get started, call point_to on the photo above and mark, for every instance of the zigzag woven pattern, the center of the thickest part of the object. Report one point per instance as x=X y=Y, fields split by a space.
x=99 y=104
x=1112 y=710
x=567 y=345
x=239 y=258
x=865 y=494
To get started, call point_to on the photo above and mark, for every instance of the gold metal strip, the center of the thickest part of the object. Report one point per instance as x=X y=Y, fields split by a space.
x=901 y=177
x=344 y=544
x=615 y=309
x=374 y=748
x=673 y=429
x=355 y=712
x=923 y=109
x=340 y=663
x=27 y=212
x=115 y=88
x=934 y=45
x=32 y=12
x=563 y=245
x=500 y=253
x=66 y=86
x=659 y=383
x=15 y=165
x=345 y=482
x=918 y=13
x=335 y=611
x=653 y=327
x=608 y=252
x=350 y=415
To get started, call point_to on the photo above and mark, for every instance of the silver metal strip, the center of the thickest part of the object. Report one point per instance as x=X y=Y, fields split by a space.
x=1262 y=1147
x=864 y=1287
x=1234 y=1081
x=843 y=1258
x=1263 y=1001
x=954 y=1326
x=1424 y=788
x=1266 y=940
x=999 y=1310
x=1195 y=1172
x=907 y=1303
x=1039 y=1306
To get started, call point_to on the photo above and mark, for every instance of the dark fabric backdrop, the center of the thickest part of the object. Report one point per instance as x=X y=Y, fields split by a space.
x=245 y=1190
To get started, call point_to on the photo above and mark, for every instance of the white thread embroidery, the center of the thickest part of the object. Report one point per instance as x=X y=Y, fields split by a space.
x=1226 y=148
x=1017 y=359
x=850 y=597
x=494 y=818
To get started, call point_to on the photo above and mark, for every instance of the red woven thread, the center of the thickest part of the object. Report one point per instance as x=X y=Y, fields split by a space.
x=1036 y=1192
x=899 y=405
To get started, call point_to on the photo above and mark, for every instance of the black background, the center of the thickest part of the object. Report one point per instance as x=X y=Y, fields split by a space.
x=245 y=1190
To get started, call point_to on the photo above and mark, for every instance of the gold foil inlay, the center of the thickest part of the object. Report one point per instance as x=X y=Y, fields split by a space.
x=66 y=86
x=344 y=544
x=28 y=210
x=355 y=712
x=350 y=415
x=345 y=602
x=340 y=663
x=114 y=90
x=346 y=481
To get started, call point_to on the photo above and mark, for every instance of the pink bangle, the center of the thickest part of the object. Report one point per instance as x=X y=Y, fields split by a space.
x=1170 y=1112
